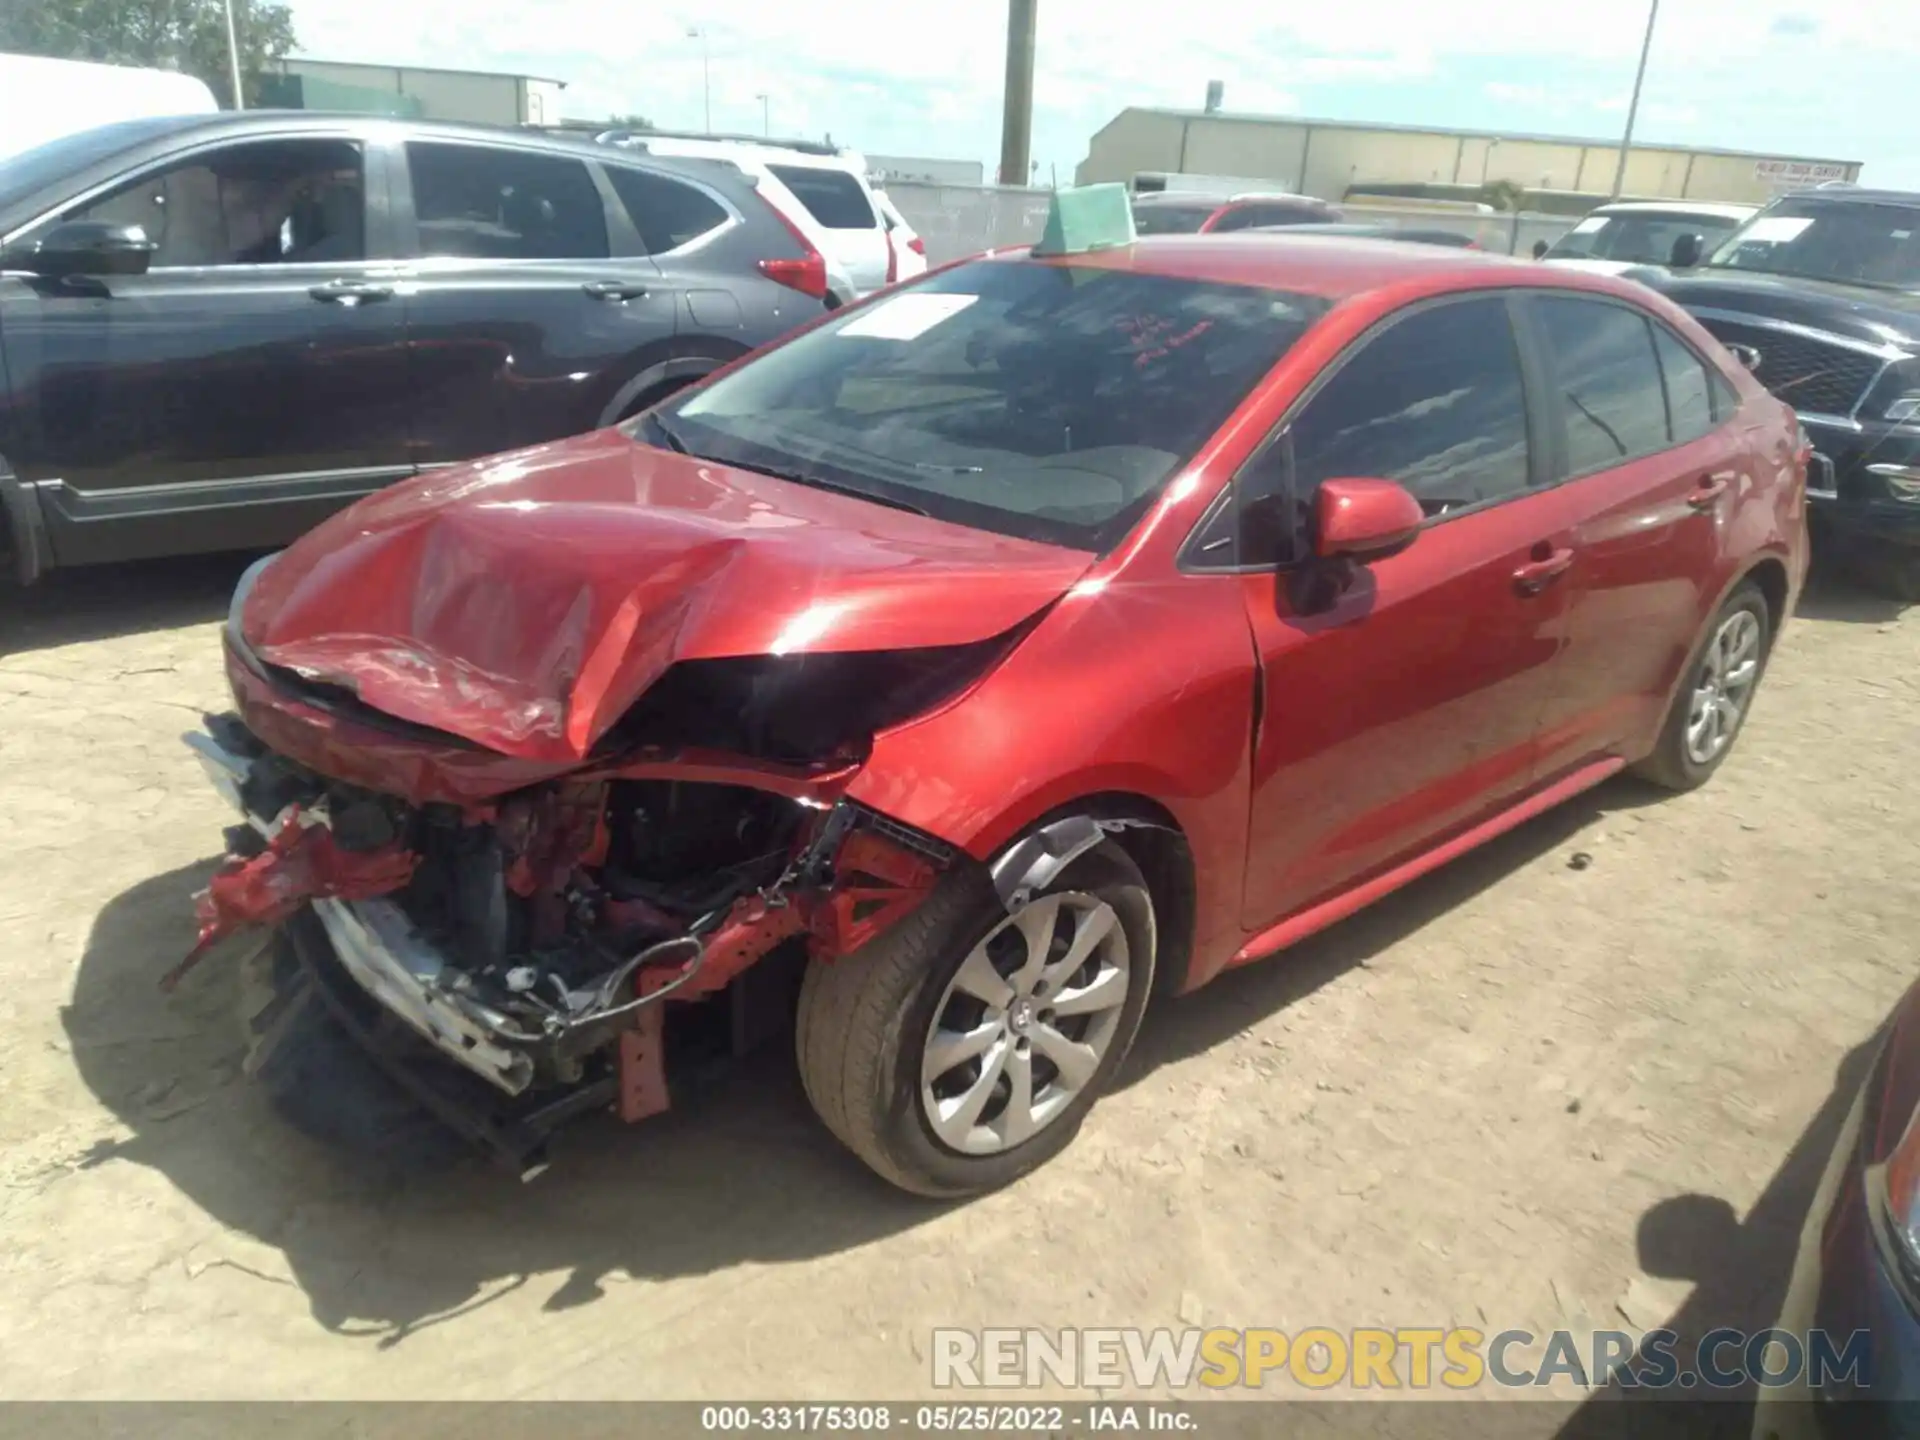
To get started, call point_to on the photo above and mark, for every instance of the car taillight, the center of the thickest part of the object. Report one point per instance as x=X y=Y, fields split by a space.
x=807 y=273
x=917 y=246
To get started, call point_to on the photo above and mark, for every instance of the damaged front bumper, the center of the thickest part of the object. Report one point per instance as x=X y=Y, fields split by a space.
x=336 y=865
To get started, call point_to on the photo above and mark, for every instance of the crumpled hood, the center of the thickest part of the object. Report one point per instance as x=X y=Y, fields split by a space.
x=525 y=601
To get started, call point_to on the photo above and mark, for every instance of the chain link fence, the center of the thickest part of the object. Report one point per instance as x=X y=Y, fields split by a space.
x=960 y=220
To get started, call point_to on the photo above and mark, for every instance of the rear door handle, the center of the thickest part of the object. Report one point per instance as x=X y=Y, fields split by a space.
x=1536 y=575
x=350 y=292
x=1707 y=492
x=615 y=290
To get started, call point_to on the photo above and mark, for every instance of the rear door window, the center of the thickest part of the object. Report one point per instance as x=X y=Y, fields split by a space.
x=667 y=213
x=492 y=203
x=1608 y=380
x=1435 y=402
x=1690 y=407
x=832 y=197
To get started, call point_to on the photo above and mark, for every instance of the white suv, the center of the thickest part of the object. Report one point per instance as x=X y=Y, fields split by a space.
x=823 y=195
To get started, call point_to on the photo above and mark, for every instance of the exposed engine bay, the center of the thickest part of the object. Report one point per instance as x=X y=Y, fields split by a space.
x=532 y=938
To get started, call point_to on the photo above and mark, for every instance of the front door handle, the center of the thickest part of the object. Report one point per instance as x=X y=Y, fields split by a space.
x=350 y=292
x=1707 y=492
x=1536 y=575
x=615 y=290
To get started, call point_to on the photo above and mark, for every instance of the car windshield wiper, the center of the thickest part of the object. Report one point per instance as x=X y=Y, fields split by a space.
x=801 y=477
x=658 y=429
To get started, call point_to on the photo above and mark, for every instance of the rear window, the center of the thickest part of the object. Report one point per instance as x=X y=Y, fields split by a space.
x=667 y=213
x=1046 y=401
x=833 y=197
x=1170 y=219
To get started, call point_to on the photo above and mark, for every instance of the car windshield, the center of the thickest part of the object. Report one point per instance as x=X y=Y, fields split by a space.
x=1645 y=239
x=32 y=170
x=1037 y=399
x=1854 y=243
x=1171 y=219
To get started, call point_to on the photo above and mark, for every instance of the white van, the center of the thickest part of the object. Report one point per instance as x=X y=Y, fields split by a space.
x=821 y=191
x=42 y=99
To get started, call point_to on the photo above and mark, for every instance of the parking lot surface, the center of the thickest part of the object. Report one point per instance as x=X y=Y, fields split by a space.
x=1585 y=1077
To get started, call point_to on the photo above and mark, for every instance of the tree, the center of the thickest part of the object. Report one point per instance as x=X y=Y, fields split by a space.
x=184 y=35
x=630 y=122
x=1503 y=194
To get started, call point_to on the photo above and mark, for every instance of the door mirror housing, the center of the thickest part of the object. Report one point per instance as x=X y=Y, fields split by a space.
x=90 y=247
x=1686 y=253
x=1540 y=248
x=1364 y=519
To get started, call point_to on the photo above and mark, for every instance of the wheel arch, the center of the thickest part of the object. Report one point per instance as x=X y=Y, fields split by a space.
x=1153 y=839
x=669 y=373
x=23 y=530
x=1769 y=572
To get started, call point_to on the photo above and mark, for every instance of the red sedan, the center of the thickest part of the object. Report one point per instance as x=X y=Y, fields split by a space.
x=1049 y=633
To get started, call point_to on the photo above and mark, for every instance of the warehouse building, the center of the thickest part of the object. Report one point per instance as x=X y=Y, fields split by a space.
x=414 y=92
x=1328 y=158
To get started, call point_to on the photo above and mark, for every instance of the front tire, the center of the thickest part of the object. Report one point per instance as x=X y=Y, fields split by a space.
x=1716 y=696
x=963 y=1048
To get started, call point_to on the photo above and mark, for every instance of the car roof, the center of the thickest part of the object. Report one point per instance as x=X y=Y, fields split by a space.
x=1203 y=197
x=1853 y=195
x=1677 y=207
x=1331 y=267
x=245 y=122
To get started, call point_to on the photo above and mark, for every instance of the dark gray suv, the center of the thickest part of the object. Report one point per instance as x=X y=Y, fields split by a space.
x=215 y=330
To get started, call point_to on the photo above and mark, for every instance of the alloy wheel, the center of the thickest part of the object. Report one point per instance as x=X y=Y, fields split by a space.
x=1025 y=1023
x=1724 y=687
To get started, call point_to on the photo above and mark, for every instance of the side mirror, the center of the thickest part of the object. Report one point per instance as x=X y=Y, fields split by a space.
x=1686 y=252
x=1540 y=248
x=90 y=247
x=1364 y=519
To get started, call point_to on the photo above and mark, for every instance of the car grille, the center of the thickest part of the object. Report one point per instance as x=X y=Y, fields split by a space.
x=1810 y=375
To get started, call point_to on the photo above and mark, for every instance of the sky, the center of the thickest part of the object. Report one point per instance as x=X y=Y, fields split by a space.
x=1790 y=77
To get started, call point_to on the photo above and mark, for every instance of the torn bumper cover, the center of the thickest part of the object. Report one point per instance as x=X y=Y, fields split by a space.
x=845 y=882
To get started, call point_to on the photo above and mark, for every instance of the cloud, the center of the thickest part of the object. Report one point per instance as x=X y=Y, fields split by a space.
x=929 y=82
x=1511 y=94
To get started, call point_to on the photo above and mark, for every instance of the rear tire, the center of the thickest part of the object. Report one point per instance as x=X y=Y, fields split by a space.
x=876 y=1027
x=1739 y=633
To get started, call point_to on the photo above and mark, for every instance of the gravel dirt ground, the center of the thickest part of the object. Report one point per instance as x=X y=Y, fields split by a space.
x=1532 y=1090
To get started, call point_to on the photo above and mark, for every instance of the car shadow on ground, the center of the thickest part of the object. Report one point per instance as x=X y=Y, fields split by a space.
x=1740 y=1271
x=384 y=1250
x=739 y=1174
x=1187 y=1026
x=100 y=602
x=1833 y=592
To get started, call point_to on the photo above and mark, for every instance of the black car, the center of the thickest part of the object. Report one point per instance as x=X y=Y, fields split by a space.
x=1820 y=294
x=217 y=329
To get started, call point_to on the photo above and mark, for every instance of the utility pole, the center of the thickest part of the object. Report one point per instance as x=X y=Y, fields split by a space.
x=766 y=114
x=1016 y=121
x=233 y=60
x=699 y=32
x=1633 y=105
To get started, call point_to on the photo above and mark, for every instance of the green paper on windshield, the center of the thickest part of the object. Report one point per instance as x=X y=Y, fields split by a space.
x=1090 y=217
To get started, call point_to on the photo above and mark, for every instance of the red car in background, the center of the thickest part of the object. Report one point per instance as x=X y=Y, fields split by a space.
x=1184 y=212
x=1038 y=636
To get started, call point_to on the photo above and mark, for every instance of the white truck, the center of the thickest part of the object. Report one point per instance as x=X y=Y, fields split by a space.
x=42 y=99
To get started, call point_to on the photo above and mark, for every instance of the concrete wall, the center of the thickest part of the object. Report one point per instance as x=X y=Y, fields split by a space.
x=443 y=94
x=1324 y=160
